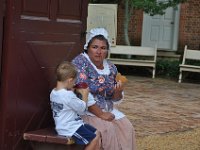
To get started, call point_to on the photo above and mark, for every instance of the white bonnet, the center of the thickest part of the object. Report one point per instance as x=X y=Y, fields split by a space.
x=94 y=32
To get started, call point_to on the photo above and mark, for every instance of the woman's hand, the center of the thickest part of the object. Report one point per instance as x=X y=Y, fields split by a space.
x=99 y=113
x=119 y=87
x=107 y=116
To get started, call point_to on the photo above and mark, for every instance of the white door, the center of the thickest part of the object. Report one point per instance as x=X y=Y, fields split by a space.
x=103 y=15
x=161 y=30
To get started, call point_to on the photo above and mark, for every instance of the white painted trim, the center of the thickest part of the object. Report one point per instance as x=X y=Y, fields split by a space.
x=176 y=29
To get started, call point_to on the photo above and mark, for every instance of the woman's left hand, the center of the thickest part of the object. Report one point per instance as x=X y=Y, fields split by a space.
x=119 y=87
x=107 y=116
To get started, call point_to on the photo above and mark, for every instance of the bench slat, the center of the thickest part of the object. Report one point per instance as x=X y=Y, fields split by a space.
x=190 y=66
x=131 y=60
x=134 y=63
x=192 y=54
x=133 y=50
x=47 y=135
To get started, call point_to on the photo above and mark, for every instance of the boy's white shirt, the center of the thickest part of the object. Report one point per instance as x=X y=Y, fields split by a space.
x=67 y=107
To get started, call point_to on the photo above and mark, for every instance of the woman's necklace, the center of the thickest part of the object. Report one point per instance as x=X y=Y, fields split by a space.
x=101 y=67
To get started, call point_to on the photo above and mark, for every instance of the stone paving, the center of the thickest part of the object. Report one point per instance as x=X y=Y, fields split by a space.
x=158 y=106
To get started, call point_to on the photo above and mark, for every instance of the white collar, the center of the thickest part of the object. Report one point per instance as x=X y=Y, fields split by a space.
x=104 y=71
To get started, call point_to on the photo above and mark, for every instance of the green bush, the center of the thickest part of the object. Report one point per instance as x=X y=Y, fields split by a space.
x=193 y=62
x=167 y=68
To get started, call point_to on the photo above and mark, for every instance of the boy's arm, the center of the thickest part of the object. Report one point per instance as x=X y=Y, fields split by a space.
x=84 y=93
x=85 y=98
x=75 y=103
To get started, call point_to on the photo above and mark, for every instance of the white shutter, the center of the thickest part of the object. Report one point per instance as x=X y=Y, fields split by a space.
x=103 y=15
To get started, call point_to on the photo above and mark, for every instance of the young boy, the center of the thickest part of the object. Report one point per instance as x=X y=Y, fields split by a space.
x=66 y=107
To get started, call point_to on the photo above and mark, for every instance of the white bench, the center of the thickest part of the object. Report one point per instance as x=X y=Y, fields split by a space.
x=143 y=56
x=189 y=55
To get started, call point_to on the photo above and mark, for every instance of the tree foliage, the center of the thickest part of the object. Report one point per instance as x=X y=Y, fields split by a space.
x=154 y=7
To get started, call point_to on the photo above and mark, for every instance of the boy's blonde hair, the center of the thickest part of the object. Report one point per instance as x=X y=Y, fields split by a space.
x=65 y=70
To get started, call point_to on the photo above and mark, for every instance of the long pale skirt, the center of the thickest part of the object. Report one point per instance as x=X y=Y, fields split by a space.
x=116 y=135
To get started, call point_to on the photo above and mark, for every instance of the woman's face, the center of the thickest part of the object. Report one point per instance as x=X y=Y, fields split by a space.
x=97 y=51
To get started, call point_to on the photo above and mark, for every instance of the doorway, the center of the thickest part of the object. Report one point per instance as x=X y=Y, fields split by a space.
x=1 y=32
x=37 y=36
x=161 y=30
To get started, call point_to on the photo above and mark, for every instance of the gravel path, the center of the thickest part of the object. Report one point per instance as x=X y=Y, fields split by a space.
x=160 y=109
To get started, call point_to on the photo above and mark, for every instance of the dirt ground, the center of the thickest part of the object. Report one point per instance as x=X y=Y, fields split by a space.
x=162 y=109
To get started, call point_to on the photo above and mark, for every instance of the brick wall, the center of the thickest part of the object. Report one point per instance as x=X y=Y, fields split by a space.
x=189 y=31
x=189 y=28
x=135 y=27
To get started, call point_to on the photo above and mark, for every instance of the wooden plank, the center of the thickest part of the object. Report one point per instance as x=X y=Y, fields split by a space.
x=193 y=54
x=47 y=135
x=133 y=50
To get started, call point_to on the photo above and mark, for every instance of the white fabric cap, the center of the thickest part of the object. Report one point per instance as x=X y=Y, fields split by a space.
x=94 y=32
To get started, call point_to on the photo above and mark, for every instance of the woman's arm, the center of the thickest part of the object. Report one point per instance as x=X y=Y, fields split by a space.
x=99 y=113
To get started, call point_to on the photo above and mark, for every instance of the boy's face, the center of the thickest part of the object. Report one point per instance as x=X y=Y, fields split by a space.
x=70 y=83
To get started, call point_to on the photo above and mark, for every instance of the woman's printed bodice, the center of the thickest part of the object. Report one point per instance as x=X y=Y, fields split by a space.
x=101 y=85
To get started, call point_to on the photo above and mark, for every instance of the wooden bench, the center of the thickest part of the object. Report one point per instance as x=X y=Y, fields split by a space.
x=136 y=56
x=189 y=55
x=48 y=139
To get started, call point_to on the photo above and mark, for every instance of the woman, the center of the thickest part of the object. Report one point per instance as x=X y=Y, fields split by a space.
x=99 y=73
